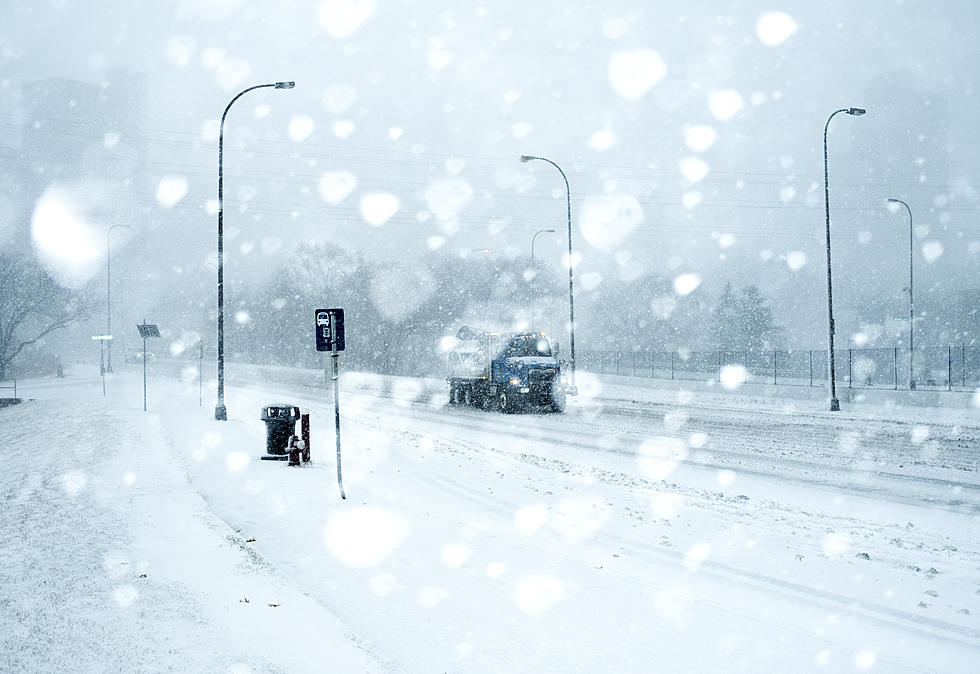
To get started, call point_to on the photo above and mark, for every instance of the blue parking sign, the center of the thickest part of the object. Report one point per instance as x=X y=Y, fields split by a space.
x=327 y=319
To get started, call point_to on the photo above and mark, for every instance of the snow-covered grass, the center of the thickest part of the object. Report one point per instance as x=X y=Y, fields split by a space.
x=112 y=561
x=650 y=528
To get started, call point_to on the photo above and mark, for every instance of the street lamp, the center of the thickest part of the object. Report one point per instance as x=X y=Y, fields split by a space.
x=834 y=403
x=108 y=302
x=220 y=412
x=571 y=290
x=533 y=272
x=911 y=305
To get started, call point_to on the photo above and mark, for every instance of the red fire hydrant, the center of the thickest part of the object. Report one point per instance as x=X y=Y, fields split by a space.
x=295 y=448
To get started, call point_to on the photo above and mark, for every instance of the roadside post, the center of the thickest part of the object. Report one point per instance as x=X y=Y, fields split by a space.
x=102 y=339
x=200 y=374
x=304 y=425
x=147 y=330
x=330 y=337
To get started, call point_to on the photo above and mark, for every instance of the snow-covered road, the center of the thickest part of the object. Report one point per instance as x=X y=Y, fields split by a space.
x=643 y=530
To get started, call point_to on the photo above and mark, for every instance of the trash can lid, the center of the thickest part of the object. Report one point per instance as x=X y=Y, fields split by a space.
x=280 y=410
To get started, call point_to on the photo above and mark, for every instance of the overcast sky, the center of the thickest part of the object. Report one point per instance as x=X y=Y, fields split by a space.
x=691 y=137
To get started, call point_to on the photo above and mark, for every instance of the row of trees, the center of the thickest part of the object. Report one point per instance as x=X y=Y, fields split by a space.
x=398 y=315
x=619 y=319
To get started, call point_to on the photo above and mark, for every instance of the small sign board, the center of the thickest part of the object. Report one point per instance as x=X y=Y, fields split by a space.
x=147 y=330
x=325 y=319
x=102 y=337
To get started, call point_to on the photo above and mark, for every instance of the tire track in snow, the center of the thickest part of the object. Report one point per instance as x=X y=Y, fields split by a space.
x=835 y=601
x=844 y=480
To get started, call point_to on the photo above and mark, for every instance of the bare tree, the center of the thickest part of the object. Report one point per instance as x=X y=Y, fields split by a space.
x=32 y=305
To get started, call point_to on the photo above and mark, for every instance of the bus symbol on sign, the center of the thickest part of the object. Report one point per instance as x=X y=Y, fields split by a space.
x=327 y=320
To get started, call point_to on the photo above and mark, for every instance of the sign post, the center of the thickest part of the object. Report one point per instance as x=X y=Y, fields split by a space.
x=330 y=337
x=146 y=330
x=102 y=339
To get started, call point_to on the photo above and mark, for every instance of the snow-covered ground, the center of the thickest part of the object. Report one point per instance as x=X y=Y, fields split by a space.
x=649 y=528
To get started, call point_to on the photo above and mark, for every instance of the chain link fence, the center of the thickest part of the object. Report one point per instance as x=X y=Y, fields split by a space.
x=949 y=368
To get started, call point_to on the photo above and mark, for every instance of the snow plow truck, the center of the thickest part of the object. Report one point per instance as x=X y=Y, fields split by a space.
x=507 y=372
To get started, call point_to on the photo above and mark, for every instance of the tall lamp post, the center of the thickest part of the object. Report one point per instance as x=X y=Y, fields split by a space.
x=533 y=273
x=571 y=290
x=220 y=412
x=911 y=305
x=834 y=402
x=108 y=301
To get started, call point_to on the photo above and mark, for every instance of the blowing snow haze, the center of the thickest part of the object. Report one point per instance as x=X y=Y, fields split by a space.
x=649 y=330
x=691 y=139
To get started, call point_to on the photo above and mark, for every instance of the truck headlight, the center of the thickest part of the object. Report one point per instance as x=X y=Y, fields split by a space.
x=564 y=380
x=515 y=382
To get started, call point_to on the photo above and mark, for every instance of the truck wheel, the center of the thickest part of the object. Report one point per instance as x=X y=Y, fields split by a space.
x=456 y=396
x=468 y=397
x=558 y=401
x=504 y=402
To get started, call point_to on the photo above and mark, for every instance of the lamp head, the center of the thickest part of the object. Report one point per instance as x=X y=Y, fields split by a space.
x=549 y=230
x=526 y=158
x=857 y=112
x=285 y=85
x=894 y=201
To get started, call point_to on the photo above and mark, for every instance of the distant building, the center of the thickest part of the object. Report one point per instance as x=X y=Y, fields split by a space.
x=75 y=129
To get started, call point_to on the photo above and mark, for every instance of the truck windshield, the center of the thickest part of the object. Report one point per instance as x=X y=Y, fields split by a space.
x=528 y=346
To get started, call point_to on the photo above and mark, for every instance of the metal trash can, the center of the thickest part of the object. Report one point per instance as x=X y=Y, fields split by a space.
x=280 y=424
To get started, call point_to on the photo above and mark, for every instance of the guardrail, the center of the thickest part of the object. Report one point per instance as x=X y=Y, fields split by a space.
x=933 y=368
x=8 y=384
